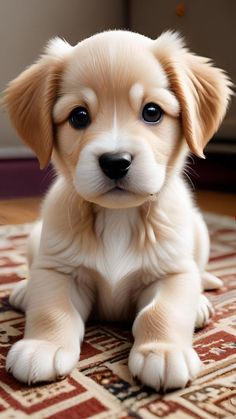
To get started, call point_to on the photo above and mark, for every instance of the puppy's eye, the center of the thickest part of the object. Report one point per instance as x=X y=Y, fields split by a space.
x=79 y=118
x=152 y=113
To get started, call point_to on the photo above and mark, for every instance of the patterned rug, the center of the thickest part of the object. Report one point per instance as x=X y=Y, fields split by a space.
x=100 y=386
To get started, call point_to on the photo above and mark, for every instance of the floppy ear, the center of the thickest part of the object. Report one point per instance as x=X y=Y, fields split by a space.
x=29 y=100
x=202 y=90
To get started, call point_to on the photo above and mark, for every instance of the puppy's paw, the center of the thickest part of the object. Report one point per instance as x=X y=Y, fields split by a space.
x=164 y=366
x=17 y=298
x=204 y=313
x=32 y=360
x=211 y=282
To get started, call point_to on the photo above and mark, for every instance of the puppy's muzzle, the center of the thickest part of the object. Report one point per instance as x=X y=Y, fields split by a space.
x=115 y=165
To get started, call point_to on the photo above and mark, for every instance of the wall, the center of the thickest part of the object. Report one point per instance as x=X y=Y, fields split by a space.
x=25 y=27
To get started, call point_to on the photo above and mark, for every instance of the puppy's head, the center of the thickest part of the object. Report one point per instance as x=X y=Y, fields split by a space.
x=117 y=110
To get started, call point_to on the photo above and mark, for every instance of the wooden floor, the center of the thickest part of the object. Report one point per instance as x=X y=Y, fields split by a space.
x=217 y=202
x=16 y=211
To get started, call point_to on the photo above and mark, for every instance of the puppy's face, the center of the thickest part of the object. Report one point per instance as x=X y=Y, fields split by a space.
x=117 y=121
x=118 y=109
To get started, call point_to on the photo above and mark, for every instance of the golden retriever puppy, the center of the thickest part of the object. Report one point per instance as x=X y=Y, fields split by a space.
x=120 y=234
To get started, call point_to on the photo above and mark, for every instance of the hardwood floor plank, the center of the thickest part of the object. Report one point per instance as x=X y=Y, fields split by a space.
x=18 y=211
x=217 y=202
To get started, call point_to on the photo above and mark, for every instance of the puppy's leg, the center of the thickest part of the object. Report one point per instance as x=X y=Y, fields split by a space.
x=201 y=251
x=18 y=295
x=204 y=312
x=210 y=281
x=34 y=242
x=162 y=356
x=54 y=330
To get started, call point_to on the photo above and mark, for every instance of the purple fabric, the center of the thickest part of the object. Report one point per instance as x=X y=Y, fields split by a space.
x=23 y=178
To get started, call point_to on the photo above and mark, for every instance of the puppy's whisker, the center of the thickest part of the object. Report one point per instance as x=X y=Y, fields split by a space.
x=191 y=171
x=189 y=179
x=191 y=157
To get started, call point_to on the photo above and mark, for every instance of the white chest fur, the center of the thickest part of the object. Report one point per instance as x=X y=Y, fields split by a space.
x=116 y=264
x=116 y=257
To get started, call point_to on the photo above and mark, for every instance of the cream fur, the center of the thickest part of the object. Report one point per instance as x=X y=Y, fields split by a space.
x=134 y=253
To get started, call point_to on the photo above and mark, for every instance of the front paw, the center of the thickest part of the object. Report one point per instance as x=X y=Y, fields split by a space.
x=163 y=365
x=33 y=360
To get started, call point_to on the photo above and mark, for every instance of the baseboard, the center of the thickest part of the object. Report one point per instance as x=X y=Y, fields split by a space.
x=23 y=178
x=217 y=172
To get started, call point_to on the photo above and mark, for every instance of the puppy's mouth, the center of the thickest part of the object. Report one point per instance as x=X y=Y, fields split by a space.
x=119 y=187
x=120 y=194
x=120 y=190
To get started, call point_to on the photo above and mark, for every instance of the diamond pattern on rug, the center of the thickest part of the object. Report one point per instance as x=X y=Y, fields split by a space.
x=101 y=386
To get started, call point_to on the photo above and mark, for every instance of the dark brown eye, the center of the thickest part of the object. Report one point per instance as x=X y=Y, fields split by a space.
x=79 y=118
x=152 y=113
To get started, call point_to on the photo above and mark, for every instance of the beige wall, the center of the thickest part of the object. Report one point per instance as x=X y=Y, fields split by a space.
x=25 y=27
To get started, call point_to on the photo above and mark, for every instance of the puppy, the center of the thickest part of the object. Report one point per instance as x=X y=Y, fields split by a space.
x=120 y=234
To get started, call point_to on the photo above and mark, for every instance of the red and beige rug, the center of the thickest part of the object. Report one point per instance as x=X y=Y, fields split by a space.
x=100 y=386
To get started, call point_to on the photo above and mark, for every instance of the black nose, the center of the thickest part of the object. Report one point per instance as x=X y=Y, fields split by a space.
x=115 y=165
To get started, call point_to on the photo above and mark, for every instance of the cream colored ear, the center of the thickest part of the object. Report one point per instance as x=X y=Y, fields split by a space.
x=202 y=90
x=29 y=100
